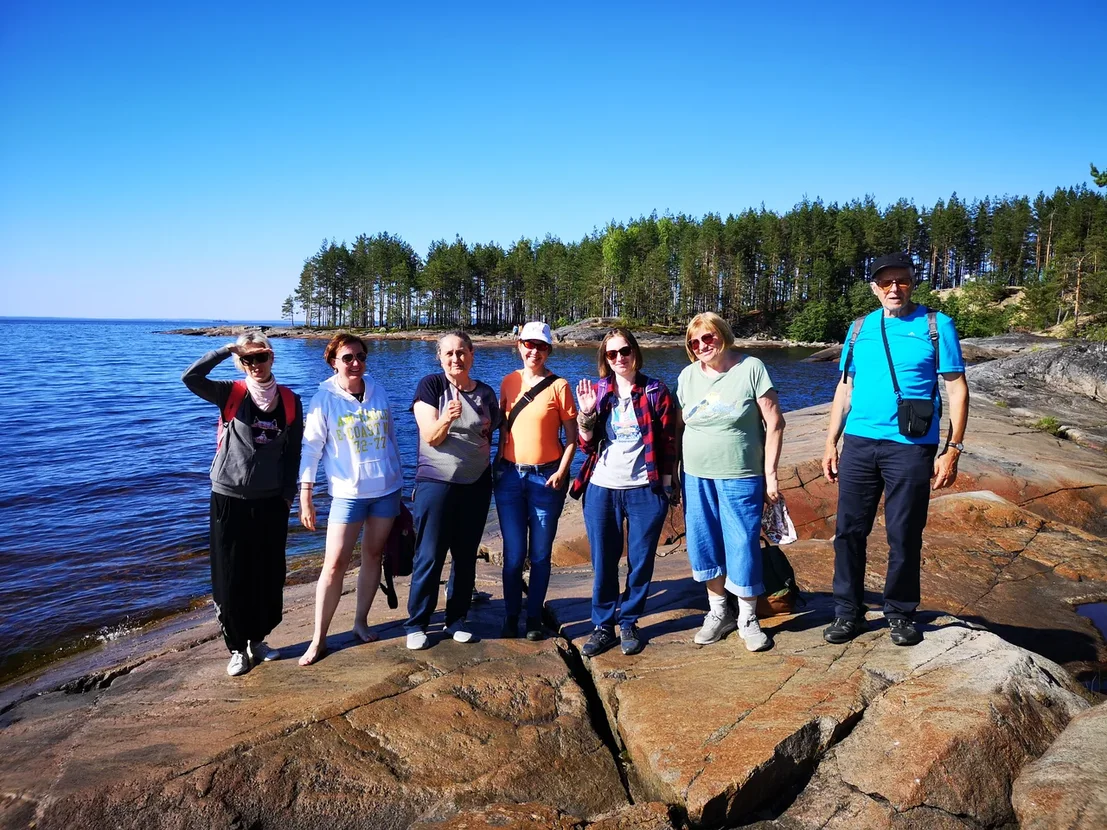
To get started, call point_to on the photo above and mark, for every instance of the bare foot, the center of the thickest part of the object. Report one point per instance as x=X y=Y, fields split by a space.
x=315 y=652
x=362 y=632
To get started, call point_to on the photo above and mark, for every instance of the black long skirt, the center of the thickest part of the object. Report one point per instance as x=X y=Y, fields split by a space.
x=248 y=539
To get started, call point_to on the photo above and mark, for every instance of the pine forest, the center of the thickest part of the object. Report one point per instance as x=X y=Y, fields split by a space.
x=799 y=274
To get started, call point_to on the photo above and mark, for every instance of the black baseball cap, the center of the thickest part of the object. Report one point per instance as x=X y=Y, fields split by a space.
x=897 y=260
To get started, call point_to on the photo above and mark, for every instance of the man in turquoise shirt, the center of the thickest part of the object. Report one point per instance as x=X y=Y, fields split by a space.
x=889 y=384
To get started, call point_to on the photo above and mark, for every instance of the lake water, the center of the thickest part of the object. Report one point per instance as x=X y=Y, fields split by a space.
x=104 y=489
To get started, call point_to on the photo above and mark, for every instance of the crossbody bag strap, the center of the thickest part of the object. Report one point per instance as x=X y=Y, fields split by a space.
x=888 y=352
x=529 y=396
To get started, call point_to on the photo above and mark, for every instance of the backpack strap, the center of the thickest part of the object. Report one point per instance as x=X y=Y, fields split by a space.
x=288 y=398
x=230 y=408
x=855 y=330
x=932 y=325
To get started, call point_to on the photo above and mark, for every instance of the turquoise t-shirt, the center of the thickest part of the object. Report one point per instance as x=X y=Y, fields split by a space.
x=872 y=411
x=724 y=436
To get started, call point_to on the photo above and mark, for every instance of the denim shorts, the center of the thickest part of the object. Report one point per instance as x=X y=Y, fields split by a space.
x=356 y=511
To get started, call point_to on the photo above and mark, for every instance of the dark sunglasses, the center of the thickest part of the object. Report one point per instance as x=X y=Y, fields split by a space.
x=707 y=339
x=350 y=358
x=886 y=283
x=626 y=351
x=256 y=358
x=536 y=344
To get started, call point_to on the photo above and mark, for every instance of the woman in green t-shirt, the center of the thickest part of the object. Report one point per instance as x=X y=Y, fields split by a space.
x=730 y=446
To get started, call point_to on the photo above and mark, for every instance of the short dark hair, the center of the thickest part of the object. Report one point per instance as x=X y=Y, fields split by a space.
x=343 y=338
x=601 y=356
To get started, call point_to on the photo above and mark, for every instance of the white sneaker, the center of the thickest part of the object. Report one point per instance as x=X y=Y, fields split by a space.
x=459 y=632
x=240 y=664
x=261 y=653
x=416 y=640
x=715 y=627
x=755 y=638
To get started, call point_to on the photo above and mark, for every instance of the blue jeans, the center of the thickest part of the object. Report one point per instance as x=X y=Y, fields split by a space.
x=448 y=517
x=867 y=468
x=605 y=511
x=722 y=522
x=525 y=504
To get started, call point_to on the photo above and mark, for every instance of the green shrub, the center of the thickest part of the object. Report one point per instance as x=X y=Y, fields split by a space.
x=1048 y=424
x=819 y=321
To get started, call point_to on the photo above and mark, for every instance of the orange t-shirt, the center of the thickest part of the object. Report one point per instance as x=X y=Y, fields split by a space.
x=535 y=437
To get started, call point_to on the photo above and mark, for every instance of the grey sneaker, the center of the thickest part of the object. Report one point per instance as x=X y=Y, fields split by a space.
x=715 y=627
x=755 y=639
x=416 y=640
x=261 y=653
x=240 y=664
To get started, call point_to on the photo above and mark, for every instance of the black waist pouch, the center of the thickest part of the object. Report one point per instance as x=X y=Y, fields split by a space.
x=915 y=415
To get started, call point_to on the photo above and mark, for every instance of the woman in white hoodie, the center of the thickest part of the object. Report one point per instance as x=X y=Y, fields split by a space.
x=349 y=425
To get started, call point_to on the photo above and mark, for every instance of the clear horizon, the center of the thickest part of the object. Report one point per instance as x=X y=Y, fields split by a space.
x=182 y=162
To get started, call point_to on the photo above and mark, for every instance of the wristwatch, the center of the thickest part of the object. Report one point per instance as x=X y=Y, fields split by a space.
x=957 y=445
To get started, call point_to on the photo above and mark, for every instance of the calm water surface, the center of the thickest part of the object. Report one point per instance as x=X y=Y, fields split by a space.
x=104 y=489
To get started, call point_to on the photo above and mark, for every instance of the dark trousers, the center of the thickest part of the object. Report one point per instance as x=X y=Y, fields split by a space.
x=448 y=517
x=605 y=512
x=248 y=539
x=902 y=472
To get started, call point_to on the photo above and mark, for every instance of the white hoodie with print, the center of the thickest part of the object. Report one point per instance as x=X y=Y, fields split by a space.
x=356 y=440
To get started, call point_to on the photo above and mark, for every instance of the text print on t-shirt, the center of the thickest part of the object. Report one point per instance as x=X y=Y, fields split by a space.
x=364 y=428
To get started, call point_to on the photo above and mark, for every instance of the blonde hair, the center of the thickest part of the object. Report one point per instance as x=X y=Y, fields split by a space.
x=708 y=320
x=251 y=337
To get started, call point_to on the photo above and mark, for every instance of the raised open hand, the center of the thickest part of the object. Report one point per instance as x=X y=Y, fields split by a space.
x=586 y=396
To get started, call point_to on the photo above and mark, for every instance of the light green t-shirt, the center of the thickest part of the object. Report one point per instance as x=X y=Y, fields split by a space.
x=724 y=436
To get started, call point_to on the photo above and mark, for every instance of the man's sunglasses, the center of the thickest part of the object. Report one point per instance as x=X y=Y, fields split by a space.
x=626 y=351
x=538 y=345
x=256 y=358
x=350 y=358
x=885 y=283
x=707 y=339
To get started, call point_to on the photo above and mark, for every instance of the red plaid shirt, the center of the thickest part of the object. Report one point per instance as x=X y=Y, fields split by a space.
x=654 y=410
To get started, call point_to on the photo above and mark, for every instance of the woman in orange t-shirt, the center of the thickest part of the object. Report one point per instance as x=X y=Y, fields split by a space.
x=532 y=474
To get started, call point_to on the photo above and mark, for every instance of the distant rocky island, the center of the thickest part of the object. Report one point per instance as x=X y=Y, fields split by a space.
x=583 y=333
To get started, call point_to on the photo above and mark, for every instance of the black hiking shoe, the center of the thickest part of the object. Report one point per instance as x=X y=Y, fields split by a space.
x=903 y=632
x=631 y=642
x=601 y=640
x=844 y=629
x=535 y=631
x=510 y=629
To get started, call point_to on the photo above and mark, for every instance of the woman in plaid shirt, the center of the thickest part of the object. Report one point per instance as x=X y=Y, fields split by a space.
x=628 y=432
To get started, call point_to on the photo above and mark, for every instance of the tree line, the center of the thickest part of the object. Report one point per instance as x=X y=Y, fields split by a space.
x=798 y=272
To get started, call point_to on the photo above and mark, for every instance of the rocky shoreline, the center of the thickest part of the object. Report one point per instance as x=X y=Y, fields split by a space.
x=984 y=725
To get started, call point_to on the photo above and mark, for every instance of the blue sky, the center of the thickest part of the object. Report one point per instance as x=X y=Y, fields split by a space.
x=181 y=160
